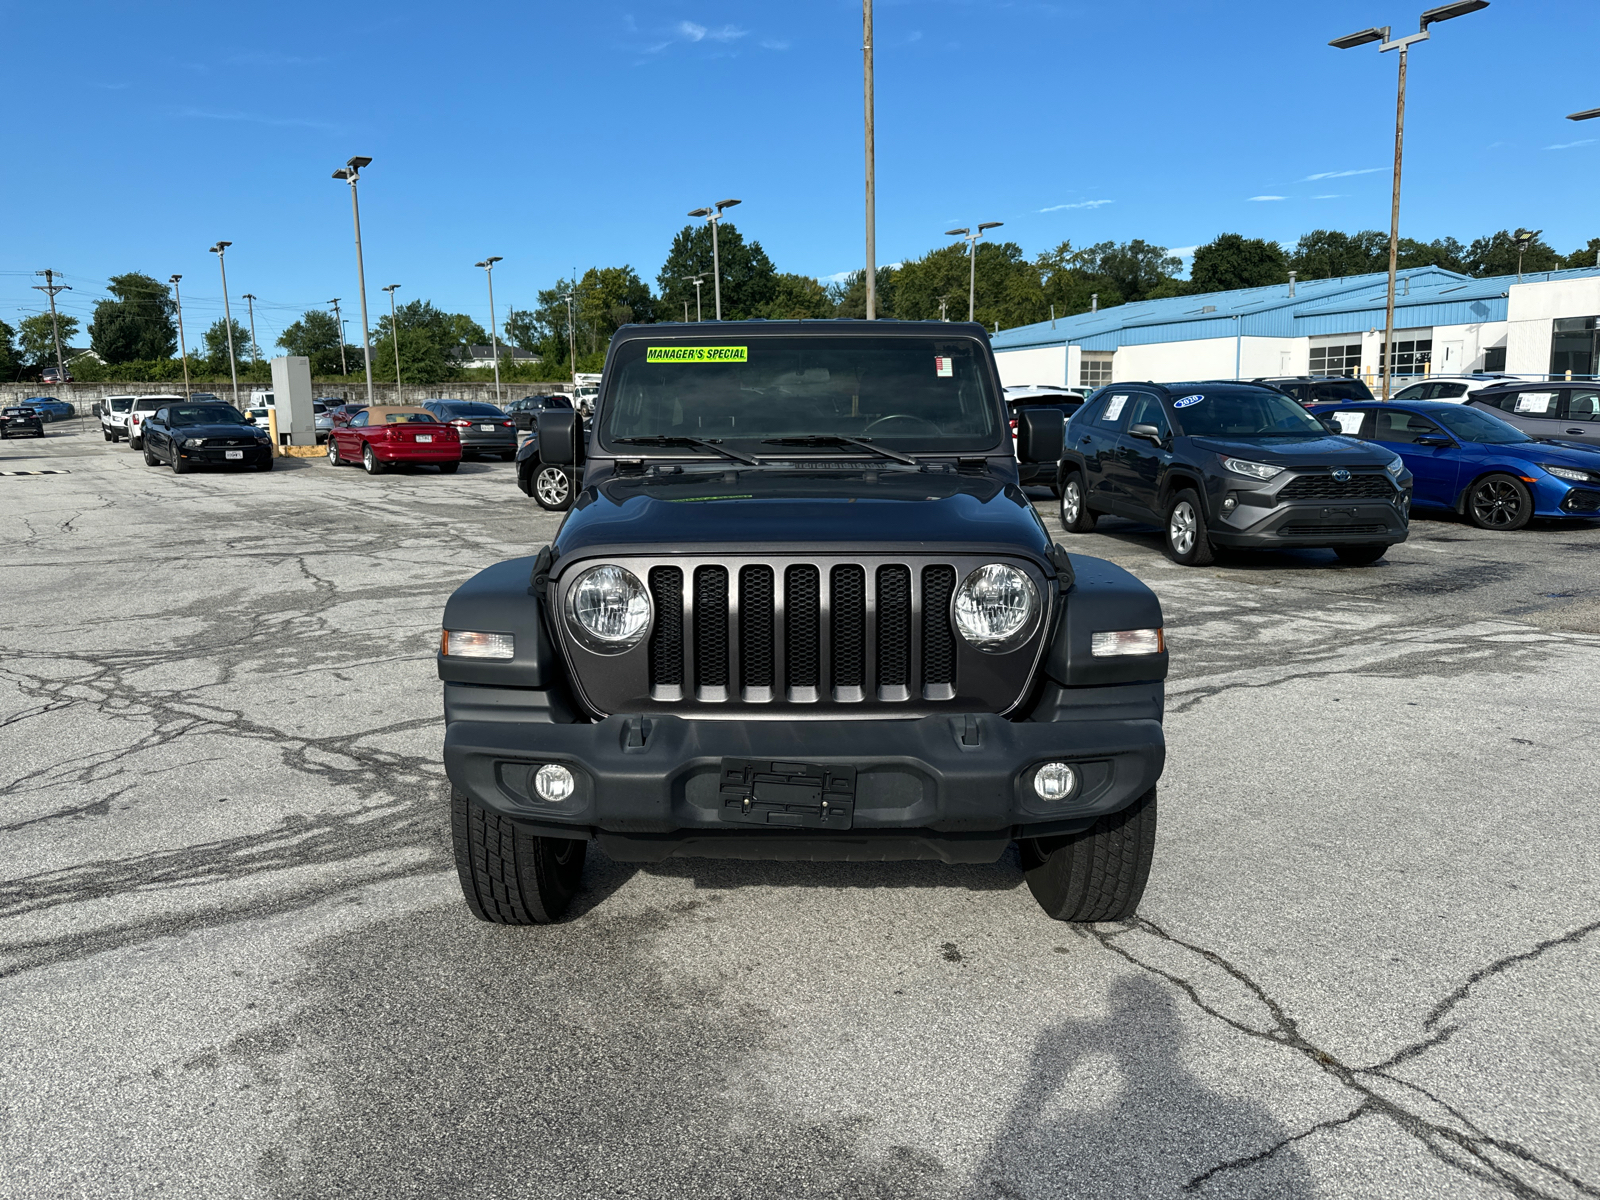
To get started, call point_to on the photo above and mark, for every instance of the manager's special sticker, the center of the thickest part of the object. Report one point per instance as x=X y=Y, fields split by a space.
x=696 y=354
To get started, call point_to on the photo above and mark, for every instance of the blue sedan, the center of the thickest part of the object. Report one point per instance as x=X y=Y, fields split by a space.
x=49 y=408
x=1473 y=462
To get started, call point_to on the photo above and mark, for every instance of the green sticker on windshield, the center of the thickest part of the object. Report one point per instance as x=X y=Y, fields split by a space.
x=696 y=354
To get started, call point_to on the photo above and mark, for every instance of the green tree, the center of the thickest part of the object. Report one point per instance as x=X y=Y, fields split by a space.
x=749 y=280
x=216 y=343
x=522 y=329
x=1116 y=273
x=1234 y=261
x=1497 y=255
x=1584 y=256
x=10 y=360
x=850 y=296
x=1441 y=252
x=428 y=336
x=137 y=323
x=315 y=336
x=797 y=297
x=38 y=342
x=1007 y=285
x=1331 y=254
x=609 y=298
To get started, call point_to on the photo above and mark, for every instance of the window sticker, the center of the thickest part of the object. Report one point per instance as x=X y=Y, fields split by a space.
x=1114 y=409
x=1349 y=422
x=696 y=354
x=944 y=366
x=1535 y=402
x=1187 y=401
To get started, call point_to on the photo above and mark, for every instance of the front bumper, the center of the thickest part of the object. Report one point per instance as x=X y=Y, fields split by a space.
x=955 y=786
x=217 y=456
x=498 y=442
x=1261 y=521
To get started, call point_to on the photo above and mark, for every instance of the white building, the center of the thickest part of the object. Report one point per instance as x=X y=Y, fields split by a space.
x=1444 y=323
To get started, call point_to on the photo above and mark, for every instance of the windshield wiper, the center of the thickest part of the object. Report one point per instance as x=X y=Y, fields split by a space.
x=661 y=439
x=838 y=439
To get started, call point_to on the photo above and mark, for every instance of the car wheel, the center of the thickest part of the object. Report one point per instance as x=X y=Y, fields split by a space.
x=1360 y=556
x=1499 y=502
x=449 y=468
x=333 y=454
x=135 y=443
x=509 y=876
x=1096 y=875
x=179 y=467
x=1075 y=514
x=552 y=488
x=267 y=463
x=150 y=460
x=509 y=456
x=106 y=433
x=370 y=462
x=1184 y=531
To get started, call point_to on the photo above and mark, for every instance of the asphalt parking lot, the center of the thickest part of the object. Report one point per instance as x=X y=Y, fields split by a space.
x=234 y=961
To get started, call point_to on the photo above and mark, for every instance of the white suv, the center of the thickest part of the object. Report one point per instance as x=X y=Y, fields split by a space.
x=142 y=407
x=114 y=417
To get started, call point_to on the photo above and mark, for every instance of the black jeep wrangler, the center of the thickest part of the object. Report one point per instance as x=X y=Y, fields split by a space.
x=801 y=609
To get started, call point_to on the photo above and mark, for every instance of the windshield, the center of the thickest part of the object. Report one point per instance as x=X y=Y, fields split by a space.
x=932 y=393
x=1226 y=412
x=1473 y=425
x=121 y=405
x=208 y=414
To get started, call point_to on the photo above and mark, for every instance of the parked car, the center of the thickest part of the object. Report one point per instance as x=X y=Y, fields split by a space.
x=1235 y=465
x=1569 y=412
x=1447 y=387
x=483 y=428
x=185 y=435
x=142 y=407
x=323 y=420
x=56 y=375
x=387 y=435
x=1066 y=401
x=20 y=419
x=341 y=414
x=525 y=412
x=50 y=409
x=1477 y=463
x=114 y=417
x=1308 y=389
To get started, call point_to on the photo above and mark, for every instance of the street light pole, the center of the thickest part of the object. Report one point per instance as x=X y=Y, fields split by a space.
x=344 y=365
x=697 y=280
x=572 y=341
x=394 y=336
x=872 y=219
x=712 y=216
x=1380 y=34
x=494 y=344
x=50 y=287
x=220 y=249
x=972 y=264
x=183 y=350
x=255 y=348
x=351 y=172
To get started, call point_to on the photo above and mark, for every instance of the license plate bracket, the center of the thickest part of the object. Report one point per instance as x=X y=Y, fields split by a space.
x=782 y=793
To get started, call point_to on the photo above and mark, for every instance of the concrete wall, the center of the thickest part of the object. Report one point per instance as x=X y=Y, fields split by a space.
x=1209 y=358
x=1034 y=365
x=1531 y=310
x=83 y=395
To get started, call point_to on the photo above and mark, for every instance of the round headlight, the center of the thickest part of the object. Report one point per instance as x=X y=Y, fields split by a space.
x=609 y=608
x=995 y=607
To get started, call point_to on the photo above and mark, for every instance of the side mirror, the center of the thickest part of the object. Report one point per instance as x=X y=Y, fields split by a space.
x=1331 y=425
x=1435 y=439
x=561 y=438
x=1147 y=432
x=1040 y=436
x=249 y=418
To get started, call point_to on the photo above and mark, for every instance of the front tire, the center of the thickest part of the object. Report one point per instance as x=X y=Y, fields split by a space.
x=1500 y=503
x=1075 y=514
x=552 y=488
x=1184 y=531
x=179 y=467
x=509 y=876
x=333 y=454
x=369 y=461
x=1360 y=556
x=1099 y=874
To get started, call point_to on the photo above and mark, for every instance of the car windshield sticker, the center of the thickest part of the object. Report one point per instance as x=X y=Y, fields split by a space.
x=944 y=366
x=697 y=354
x=1114 y=409
x=1187 y=401
x=1349 y=422
x=1534 y=402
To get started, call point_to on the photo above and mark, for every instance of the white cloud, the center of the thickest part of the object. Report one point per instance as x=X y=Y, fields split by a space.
x=1183 y=251
x=1340 y=174
x=773 y=44
x=1330 y=196
x=1570 y=145
x=1079 y=204
x=1269 y=197
x=251 y=118
x=691 y=31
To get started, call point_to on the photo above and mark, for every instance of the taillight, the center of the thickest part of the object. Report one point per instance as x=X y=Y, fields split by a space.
x=460 y=423
x=508 y=424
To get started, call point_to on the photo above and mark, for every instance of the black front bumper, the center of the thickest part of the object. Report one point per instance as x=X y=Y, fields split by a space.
x=1311 y=523
x=217 y=456
x=954 y=786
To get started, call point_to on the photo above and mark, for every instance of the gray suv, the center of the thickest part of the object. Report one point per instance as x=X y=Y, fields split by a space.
x=1568 y=412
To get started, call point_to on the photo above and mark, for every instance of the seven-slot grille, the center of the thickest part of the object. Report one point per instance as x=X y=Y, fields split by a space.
x=802 y=632
x=1326 y=487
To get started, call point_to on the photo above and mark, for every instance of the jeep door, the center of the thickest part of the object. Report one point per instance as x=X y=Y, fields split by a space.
x=1095 y=438
x=1435 y=469
x=1138 y=466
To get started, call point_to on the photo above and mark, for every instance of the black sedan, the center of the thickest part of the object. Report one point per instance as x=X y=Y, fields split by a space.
x=14 y=422
x=483 y=428
x=185 y=436
x=525 y=412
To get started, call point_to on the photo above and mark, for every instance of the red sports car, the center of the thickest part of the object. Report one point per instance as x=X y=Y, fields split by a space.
x=393 y=434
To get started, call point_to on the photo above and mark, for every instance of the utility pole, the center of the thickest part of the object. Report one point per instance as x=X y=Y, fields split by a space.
x=712 y=216
x=394 y=336
x=351 y=172
x=494 y=341
x=227 y=316
x=50 y=287
x=872 y=220
x=255 y=349
x=183 y=350
x=344 y=366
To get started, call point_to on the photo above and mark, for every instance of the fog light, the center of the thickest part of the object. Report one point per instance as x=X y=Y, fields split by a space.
x=1117 y=642
x=1231 y=503
x=462 y=643
x=553 y=782
x=1054 y=781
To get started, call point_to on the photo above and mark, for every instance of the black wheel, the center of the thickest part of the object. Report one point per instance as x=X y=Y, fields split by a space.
x=1096 y=875
x=150 y=460
x=369 y=461
x=509 y=876
x=179 y=467
x=1499 y=502
x=135 y=443
x=266 y=464
x=106 y=433
x=448 y=468
x=1183 y=533
x=1360 y=556
x=552 y=488
x=333 y=454
x=1075 y=514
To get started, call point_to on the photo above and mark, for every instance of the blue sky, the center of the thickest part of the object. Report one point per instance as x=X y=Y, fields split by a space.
x=563 y=135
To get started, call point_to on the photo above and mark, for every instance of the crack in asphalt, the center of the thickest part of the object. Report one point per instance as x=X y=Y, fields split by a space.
x=1468 y=1152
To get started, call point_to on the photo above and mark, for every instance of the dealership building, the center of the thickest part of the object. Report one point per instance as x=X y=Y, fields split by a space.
x=1445 y=323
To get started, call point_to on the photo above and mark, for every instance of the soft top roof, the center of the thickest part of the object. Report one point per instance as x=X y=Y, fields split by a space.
x=386 y=412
